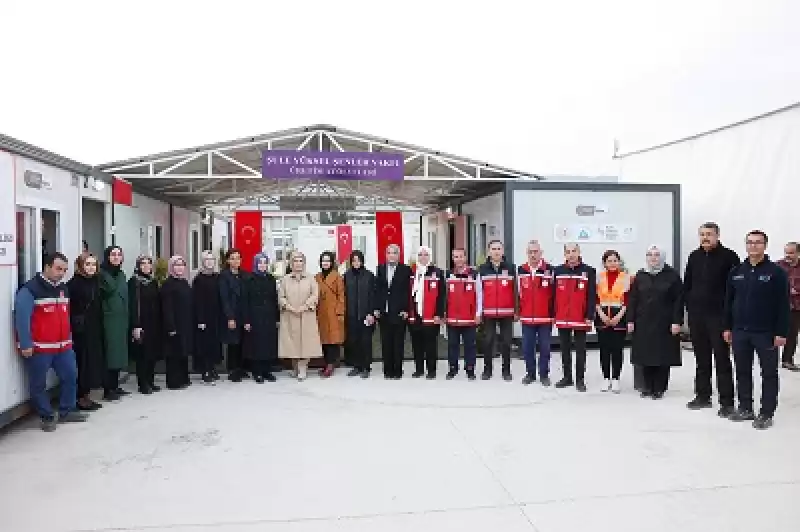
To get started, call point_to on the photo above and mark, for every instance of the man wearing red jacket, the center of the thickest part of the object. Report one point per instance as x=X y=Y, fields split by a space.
x=536 y=289
x=576 y=292
x=426 y=313
x=463 y=311
x=498 y=280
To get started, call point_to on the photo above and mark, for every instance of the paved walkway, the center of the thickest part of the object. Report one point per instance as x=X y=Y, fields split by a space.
x=348 y=455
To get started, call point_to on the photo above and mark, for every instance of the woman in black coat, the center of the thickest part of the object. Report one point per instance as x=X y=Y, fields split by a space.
x=655 y=316
x=86 y=318
x=207 y=343
x=145 y=323
x=176 y=307
x=261 y=319
x=359 y=287
x=232 y=303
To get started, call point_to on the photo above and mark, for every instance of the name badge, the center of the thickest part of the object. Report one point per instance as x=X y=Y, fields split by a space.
x=504 y=282
x=545 y=283
x=453 y=288
x=433 y=284
x=580 y=286
x=469 y=287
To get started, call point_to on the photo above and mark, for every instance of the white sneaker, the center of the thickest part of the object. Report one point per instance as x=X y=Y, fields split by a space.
x=615 y=386
x=606 y=385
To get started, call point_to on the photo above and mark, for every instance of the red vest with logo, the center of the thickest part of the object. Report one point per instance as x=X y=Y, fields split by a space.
x=430 y=295
x=572 y=299
x=535 y=294
x=462 y=298
x=50 y=326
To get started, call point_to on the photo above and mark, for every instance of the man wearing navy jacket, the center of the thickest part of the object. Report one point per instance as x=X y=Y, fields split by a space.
x=756 y=319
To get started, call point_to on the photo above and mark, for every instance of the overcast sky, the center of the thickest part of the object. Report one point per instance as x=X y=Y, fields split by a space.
x=539 y=86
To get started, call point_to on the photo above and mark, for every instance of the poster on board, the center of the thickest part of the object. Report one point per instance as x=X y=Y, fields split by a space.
x=595 y=233
x=8 y=212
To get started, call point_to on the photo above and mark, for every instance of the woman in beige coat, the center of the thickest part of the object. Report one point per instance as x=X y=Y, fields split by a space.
x=298 y=338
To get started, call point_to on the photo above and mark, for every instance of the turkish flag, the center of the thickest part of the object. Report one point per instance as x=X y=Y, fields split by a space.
x=344 y=243
x=389 y=229
x=247 y=236
x=121 y=192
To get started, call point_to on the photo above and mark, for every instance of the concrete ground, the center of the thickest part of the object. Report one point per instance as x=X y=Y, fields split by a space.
x=350 y=455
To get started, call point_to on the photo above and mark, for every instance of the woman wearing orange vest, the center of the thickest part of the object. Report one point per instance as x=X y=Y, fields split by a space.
x=612 y=299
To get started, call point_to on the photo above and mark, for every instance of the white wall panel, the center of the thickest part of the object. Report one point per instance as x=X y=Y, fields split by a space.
x=743 y=178
x=132 y=227
x=487 y=210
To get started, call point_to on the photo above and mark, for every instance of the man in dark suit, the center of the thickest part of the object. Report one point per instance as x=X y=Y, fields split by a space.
x=392 y=285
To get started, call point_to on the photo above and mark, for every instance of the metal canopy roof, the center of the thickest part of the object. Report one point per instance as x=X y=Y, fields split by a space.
x=227 y=175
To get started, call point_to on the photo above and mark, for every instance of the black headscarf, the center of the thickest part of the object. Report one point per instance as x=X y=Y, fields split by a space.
x=332 y=258
x=357 y=253
x=144 y=278
x=106 y=265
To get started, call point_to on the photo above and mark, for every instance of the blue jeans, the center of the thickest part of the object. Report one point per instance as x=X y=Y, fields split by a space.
x=38 y=365
x=744 y=344
x=454 y=336
x=531 y=336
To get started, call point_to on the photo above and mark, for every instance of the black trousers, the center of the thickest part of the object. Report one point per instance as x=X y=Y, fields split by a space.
x=656 y=378
x=177 y=372
x=425 y=345
x=569 y=339
x=744 y=344
x=111 y=380
x=711 y=350
x=612 y=343
x=490 y=335
x=393 y=336
x=791 y=340
x=331 y=353
x=145 y=372
x=261 y=367
x=358 y=346
x=236 y=361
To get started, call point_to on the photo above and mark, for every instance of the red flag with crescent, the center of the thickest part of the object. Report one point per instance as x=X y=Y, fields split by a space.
x=389 y=229
x=247 y=236
x=344 y=242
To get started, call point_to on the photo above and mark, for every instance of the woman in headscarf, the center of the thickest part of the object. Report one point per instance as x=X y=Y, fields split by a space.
x=232 y=303
x=86 y=318
x=298 y=295
x=205 y=297
x=359 y=285
x=145 y=318
x=655 y=316
x=114 y=291
x=176 y=308
x=330 y=311
x=261 y=318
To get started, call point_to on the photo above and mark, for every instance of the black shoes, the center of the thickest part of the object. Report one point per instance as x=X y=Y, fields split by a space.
x=111 y=395
x=791 y=366
x=269 y=377
x=207 y=378
x=742 y=414
x=762 y=422
x=121 y=392
x=417 y=374
x=355 y=372
x=365 y=374
x=507 y=375
x=698 y=403
x=546 y=381
x=486 y=375
x=564 y=383
x=527 y=379
x=259 y=379
x=471 y=374
x=430 y=376
x=155 y=388
x=580 y=386
x=657 y=395
x=646 y=394
x=452 y=374
x=726 y=411
x=146 y=391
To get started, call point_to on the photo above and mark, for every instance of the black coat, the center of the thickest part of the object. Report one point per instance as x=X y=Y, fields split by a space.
x=262 y=314
x=395 y=294
x=360 y=297
x=655 y=303
x=176 y=308
x=86 y=318
x=706 y=277
x=206 y=302
x=144 y=312
x=232 y=301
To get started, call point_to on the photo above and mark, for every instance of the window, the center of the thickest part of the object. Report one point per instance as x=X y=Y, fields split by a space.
x=195 y=263
x=159 y=241
x=26 y=253
x=292 y=222
x=360 y=243
x=482 y=240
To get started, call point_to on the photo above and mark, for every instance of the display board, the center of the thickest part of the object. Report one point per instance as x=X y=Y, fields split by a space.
x=598 y=220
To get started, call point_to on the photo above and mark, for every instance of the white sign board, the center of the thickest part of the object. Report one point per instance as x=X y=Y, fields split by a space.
x=8 y=211
x=605 y=233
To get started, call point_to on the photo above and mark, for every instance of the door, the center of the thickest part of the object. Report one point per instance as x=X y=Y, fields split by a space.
x=27 y=264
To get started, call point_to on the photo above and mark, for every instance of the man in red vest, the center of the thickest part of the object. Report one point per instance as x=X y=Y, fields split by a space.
x=463 y=313
x=427 y=314
x=536 y=290
x=576 y=294
x=41 y=320
x=498 y=279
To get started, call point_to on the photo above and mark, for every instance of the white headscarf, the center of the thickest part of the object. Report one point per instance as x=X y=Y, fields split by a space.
x=416 y=291
x=653 y=270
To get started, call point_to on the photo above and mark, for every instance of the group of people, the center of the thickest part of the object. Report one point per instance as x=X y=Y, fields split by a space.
x=86 y=329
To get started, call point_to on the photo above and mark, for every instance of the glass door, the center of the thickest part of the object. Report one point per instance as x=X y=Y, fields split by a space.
x=27 y=252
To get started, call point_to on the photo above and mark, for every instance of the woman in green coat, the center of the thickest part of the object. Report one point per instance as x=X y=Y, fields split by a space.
x=114 y=289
